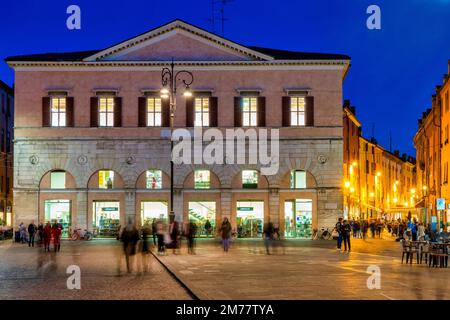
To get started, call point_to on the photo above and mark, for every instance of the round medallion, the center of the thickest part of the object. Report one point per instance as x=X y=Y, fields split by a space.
x=130 y=160
x=322 y=159
x=82 y=160
x=34 y=159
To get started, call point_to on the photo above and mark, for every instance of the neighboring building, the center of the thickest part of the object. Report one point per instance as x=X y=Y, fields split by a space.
x=427 y=142
x=352 y=134
x=443 y=97
x=6 y=151
x=91 y=149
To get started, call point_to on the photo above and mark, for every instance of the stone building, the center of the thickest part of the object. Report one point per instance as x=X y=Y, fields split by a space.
x=6 y=152
x=91 y=147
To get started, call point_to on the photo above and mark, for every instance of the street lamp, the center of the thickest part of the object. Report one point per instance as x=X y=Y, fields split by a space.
x=169 y=80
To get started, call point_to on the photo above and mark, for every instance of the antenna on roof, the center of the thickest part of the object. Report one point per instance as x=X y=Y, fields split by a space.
x=220 y=11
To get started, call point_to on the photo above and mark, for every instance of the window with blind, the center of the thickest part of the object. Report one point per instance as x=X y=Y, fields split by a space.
x=58 y=111
x=106 y=111
x=298 y=111
x=249 y=111
x=154 y=112
x=201 y=112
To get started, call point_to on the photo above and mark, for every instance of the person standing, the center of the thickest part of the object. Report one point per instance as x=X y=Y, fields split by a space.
x=23 y=232
x=225 y=230
x=129 y=237
x=346 y=232
x=154 y=231
x=174 y=233
x=191 y=232
x=338 y=227
x=145 y=247
x=268 y=235
x=47 y=236
x=208 y=228
x=40 y=233
x=31 y=233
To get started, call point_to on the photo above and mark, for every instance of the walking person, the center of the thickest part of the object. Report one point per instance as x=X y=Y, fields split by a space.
x=421 y=232
x=31 y=233
x=160 y=235
x=56 y=234
x=129 y=237
x=40 y=233
x=145 y=246
x=47 y=236
x=23 y=232
x=154 y=231
x=268 y=235
x=191 y=232
x=338 y=227
x=225 y=230
x=346 y=234
x=174 y=235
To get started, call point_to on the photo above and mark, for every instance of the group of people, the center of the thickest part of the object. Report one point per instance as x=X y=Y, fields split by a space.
x=41 y=235
x=344 y=230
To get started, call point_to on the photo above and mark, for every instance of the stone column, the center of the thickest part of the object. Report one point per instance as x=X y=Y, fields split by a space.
x=274 y=206
x=26 y=206
x=80 y=218
x=330 y=205
x=225 y=206
x=178 y=206
x=130 y=206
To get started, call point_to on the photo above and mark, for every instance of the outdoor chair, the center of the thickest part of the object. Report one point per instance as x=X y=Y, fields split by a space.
x=409 y=249
x=438 y=256
x=425 y=249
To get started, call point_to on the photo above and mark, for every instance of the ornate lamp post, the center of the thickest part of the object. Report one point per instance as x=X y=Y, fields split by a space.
x=170 y=81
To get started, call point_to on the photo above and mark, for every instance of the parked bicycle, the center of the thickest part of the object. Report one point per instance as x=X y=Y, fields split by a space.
x=322 y=234
x=80 y=234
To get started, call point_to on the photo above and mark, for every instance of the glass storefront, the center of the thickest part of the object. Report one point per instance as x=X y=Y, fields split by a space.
x=106 y=218
x=153 y=210
x=203 y=213
x=58 y=210
x=298 y=218
x=250 y=219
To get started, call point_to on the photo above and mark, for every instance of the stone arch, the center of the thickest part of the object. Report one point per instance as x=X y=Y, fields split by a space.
x=140 y=180
x=45 y=183
x=285 y=176
x=236 y=182
x=118 y=182
x=214 y=178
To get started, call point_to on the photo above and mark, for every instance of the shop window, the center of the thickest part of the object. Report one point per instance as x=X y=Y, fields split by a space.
x=154 y=113
x=201 y=112
x=58 y=112
x=249 y=179
x=202 y=179
x=105 y=179
x=58 y=180
x=249 y=111
x=106 y=112
x=298 y=111
x=153 y=179
x=298 y=179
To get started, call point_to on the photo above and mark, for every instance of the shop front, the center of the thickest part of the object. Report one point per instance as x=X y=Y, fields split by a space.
x=203 y=214
x=249 y=219
x=106 y=218
x=59 y=210
x=298 y=218
x=151 y=210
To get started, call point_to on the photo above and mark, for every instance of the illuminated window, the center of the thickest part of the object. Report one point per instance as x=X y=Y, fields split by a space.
x=106 y=112
x=249 y=112
x=105 y=179
x=249 y=179
x=202 y=179
x=297 y=111
x=58 y=180
x=298 y=179
x=153 y=179
x=201 y=112
x=58 y=112
x=154 y=112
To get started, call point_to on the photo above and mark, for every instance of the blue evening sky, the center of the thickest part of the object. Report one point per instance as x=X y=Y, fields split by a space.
x=393 y=74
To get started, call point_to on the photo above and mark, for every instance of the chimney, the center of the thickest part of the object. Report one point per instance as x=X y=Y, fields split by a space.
x=397 y=153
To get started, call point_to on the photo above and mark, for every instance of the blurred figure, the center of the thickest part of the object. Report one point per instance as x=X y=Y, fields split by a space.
x=40 y=233
x=268 y=235
x=23 y=232
x=129 y=237
x=421 y=232
x=47 y=236
x=338 y=227
x=145 y=246
x=190 y=234
x=56 y=233
x=154 y=231
x=174 y=235
x=160 y=235
x=225 y=230
x=208 y=228
x=31 y=233
x=346 y=230
x=373 y=228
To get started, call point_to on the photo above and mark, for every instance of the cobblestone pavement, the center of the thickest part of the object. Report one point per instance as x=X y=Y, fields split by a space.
x=298 y=270
x=305 y=270
x=29 y=273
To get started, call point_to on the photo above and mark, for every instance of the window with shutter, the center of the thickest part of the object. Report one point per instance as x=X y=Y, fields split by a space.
x=106 y=111
x=249 y=111
x=154 y=112
x=201 y=112
x=297 y=111
x=58 y=111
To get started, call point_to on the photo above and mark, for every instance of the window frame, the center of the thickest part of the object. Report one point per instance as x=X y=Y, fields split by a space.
x=61 y=115
x=250 y=112
x=158 y=184
x=106 y=187
x=153 y=114
x=106 y=112
x=204 y=115
x=298 y=112
x=247 y=185
x=63 y=173
x=199 y=184
x=293 y=181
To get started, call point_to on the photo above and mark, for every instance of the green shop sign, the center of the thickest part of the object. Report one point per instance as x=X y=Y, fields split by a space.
x=245 y=208
x=110 y=209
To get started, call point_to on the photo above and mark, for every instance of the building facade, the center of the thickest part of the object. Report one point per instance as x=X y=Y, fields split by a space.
x=91 y=143
x=6 y=151
x=443 y=95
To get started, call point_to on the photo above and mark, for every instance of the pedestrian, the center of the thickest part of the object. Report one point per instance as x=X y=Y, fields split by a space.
x=47 y=236
x=145 y=246
x=160 y=235
x=23 y=232
x=129 y=237
x=174 y=235
x=40 y=233
x=56 y=234
x=338 y=227
x=268 y=235
x=412 y=228
x=154 y=231
x=421 y=232
x=191 y=232
x=373 y=228
x=208 y=228
x=31 y=233
x=225 y=230
x=346 y=233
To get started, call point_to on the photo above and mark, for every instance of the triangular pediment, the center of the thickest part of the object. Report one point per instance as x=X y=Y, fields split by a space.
x=180 y=41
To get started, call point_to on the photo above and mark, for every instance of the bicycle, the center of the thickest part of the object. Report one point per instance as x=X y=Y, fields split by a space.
x=322 y=234
x=79 y=234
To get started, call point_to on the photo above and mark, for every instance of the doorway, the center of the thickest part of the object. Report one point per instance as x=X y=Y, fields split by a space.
x=106 y=218
x=298 y=218
x=249 y=219
x=153 y=210
x=203 y=214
